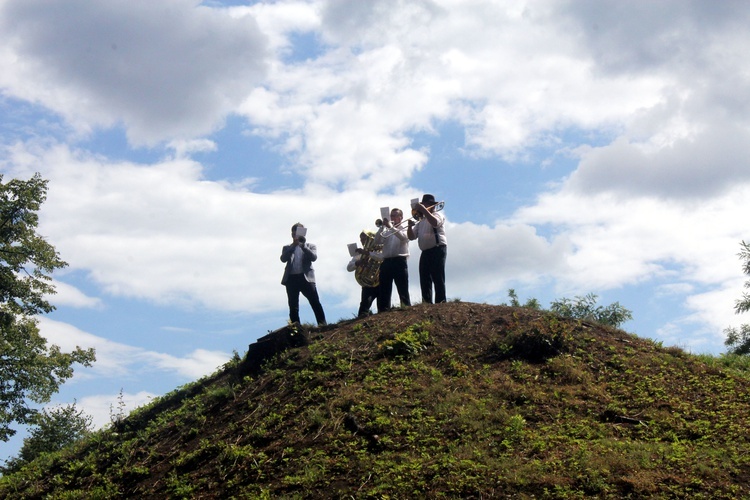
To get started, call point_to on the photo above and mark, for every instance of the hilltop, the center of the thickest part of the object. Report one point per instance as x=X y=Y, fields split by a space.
x=448 y=400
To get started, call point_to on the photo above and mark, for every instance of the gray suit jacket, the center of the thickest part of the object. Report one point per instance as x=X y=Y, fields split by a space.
x=310 y=255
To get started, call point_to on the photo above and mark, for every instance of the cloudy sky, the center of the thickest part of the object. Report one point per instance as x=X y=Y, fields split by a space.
x=591 y=146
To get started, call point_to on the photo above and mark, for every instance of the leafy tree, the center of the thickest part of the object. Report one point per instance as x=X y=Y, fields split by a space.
x=54 y=430
x=738 y=340
x=585 y=308
x=30 y=369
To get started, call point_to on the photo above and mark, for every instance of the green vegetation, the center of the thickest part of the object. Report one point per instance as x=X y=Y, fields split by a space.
x=738 y=340
x=54 y=430
x=441 y=401
x=31 y=370
x=531 y=303
x=584 y=307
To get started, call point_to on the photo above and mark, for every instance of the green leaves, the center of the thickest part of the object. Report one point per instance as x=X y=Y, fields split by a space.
x=582 y=307
x=55 y=429
x=738 y=340
x=585 y=308
x=29 y=368
x=743 y=305
x=408 y=343
x=25 y=257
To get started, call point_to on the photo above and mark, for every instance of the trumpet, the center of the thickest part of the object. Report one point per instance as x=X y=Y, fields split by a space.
x=415 y=216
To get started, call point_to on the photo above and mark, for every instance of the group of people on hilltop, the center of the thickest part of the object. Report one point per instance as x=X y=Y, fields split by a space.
x=428 y=230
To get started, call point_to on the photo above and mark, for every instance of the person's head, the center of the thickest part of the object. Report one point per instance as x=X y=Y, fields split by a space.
x=365 y=235
x=428 y=200
x=396 y=215
x=295 y=236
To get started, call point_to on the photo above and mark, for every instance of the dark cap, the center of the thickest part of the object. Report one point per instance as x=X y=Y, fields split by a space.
x=428 y=199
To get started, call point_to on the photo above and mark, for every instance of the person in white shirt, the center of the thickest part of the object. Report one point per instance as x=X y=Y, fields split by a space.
x=429 y=232
x=369 y=293
x=394 y=268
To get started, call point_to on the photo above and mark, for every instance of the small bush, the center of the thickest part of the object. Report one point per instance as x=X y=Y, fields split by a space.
x=585 y=307
x=536 y=341
x=408 y=343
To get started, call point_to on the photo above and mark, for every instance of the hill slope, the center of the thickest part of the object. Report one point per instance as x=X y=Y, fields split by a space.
x=448 y=400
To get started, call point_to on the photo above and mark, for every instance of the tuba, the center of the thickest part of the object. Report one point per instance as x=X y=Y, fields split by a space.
x=367 y=273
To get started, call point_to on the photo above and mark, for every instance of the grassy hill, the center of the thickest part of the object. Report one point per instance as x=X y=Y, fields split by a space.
x=449 y=400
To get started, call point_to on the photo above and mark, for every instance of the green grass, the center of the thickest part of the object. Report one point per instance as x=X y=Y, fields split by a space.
x=441 y=401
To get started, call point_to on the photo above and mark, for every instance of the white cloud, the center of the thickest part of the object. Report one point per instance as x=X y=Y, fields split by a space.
x=197 y=364
x=103 y=408
x=672 y=35
x=117 y=360
x=67 y=295
x=278 y=20
x=687 y=248
x=159 y=232
x=512 y=77
x=165 y=69
x=164 y=234
x=483 y=260
x=112 y=358
x=185 y=148
x=705 y=165
x=616 y=241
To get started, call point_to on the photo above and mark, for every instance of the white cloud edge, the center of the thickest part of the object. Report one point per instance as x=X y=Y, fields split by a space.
x=117 y=360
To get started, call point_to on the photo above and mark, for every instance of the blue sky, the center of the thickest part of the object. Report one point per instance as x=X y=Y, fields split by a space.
x=580 y=147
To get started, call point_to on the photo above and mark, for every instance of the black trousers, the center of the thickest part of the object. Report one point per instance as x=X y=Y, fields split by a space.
x=369 y=294
x=296 y=284
x=432 y=272
x=393 y=270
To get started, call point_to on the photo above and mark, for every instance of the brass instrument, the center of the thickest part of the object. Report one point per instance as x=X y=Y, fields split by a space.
x=418 y=216
x=415 y=216
x=367 y=272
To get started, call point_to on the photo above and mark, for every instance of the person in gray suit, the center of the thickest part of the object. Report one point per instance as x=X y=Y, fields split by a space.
x=299 y=275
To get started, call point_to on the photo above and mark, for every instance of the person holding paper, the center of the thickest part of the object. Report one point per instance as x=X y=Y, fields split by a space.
x=299 y=276
x=369 y=293
x=394 y=268
x=429 y=232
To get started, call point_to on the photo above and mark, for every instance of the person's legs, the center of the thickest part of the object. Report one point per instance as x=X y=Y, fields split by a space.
x=385 y=289
x=401 y=278
x=438 y=273
x=292 y=294
x=425 y=280
x=369 y=294
x=310 y=291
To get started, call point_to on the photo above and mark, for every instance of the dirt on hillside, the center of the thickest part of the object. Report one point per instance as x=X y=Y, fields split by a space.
x=448 y=400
